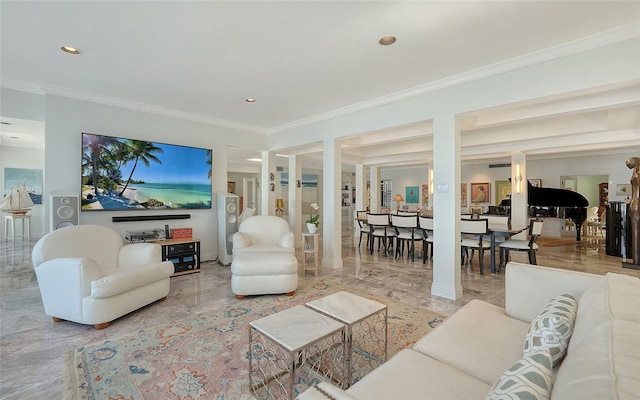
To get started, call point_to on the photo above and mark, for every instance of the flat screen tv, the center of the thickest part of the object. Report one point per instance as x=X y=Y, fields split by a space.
x=130 y=174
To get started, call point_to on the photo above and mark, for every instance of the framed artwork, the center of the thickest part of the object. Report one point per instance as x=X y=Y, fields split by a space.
x=412 y=195
x=536 y=182
x=463 y=195
x=32 y=179
x=623 y=189
x=425 y=194
x=480 y=192
x=503 y=190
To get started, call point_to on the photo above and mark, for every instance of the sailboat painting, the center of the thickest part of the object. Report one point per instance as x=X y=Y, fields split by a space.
x=22 y=189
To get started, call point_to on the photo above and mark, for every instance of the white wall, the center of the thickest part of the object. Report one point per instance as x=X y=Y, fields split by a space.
x=67 y=118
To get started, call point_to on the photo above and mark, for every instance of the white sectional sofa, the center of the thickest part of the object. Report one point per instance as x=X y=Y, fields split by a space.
x=467 y=354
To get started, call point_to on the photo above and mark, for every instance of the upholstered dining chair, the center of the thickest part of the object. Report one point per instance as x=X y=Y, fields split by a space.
x=528 y=245
x=407 y=230
x=473 y=233
x=365 y=229
x=426 y=224
x=382 y=230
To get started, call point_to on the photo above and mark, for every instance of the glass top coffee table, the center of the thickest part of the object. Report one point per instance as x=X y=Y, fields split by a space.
x=295 y=347
x=366 y=331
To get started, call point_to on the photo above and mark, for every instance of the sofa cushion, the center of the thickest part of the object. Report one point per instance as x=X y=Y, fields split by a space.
x=126 y=279
x=265 y=262
x=410 y=375
x=479 y=339
x=553 y=326
x=603 y=359
x=531 y=377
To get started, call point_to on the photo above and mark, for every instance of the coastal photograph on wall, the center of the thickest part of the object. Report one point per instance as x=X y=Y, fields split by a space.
x=129 y=174
x=30 y=179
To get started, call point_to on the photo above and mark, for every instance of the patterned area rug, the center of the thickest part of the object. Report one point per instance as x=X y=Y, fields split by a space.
x=206 y=357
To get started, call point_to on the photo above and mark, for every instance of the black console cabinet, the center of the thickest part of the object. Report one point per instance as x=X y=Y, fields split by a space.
x=183 y=253
x=618 y=230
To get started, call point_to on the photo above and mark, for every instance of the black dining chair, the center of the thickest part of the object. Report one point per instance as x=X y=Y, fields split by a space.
x=473 y=232
x=382 y=230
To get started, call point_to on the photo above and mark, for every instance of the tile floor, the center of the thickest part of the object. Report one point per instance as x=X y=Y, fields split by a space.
x=32 y=347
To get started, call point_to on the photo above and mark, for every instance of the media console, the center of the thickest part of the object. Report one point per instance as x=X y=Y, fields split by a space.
x=183 y=253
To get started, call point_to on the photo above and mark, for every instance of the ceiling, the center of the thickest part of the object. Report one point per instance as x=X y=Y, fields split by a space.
x=305 y=60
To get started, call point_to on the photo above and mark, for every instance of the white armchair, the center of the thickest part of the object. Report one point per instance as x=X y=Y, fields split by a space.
x=264 y=260
x=263 y=232
x=87 y=274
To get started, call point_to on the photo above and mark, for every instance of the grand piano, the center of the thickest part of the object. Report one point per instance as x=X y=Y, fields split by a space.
x=558 y=203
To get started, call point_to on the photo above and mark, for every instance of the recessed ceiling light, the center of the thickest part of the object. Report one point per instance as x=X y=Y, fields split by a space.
x=5 y=123
x=387 y=40
x=70 y=50
x=250 y=100
x=14 y=137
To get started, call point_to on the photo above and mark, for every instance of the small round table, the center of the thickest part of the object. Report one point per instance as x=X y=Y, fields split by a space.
x=310 y=246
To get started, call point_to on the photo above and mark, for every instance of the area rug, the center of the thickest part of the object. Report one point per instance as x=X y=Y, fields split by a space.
x=206 y=357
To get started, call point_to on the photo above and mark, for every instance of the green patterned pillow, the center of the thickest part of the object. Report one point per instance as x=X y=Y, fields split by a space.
x=552 y=327
x=529 y=378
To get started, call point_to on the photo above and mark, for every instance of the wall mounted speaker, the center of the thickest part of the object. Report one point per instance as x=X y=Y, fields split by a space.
x=228 y=205
x=65 y=210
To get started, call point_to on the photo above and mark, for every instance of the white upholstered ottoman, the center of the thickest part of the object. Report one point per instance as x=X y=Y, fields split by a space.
x=264 y=272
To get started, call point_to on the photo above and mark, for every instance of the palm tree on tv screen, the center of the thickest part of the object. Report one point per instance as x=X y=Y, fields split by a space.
x=96 y=146
x=141 y=150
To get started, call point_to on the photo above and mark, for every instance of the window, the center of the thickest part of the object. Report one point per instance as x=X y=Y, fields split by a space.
x=386 y=193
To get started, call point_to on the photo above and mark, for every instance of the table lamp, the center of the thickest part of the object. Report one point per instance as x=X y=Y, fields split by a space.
x=398 y=198
x=279 y=207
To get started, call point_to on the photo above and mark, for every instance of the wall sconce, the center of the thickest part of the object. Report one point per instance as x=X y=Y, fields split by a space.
x=272 y=187
x=431 y=181
x=398 y=198
x=279 y=207
x=518 y=179
x=298 y=183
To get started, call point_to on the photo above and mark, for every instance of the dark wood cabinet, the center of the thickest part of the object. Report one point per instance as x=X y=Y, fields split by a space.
x=618 y=225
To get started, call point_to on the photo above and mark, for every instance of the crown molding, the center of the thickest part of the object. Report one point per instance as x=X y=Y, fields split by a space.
x=134 y=105
x=21 y=86
x=606 y=38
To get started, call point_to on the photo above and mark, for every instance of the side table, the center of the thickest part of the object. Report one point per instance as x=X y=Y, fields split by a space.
x=297 y=346
x=310 y=246
x=366 y=331
x=11 y=219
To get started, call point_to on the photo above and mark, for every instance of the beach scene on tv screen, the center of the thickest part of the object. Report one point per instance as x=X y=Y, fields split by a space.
x=129 y=174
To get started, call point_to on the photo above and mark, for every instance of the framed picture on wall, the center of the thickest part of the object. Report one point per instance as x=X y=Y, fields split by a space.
x=536 y=182
x=464 y=195
x=503 y=190
x=425 y=194
x=480 y=192
x=412 y=194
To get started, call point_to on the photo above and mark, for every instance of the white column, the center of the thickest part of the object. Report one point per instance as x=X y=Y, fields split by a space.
x=374 y=183
x=268 y=171
x=295 y=196
x=446 y=201
x=519 y=192
x=331 y=205
x=361 y=193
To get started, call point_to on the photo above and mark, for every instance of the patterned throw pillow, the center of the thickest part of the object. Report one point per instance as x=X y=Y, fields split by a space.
x=527 y=379
x=552 y=327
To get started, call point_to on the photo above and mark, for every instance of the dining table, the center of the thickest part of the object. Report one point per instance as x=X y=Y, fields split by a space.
x=502 y=230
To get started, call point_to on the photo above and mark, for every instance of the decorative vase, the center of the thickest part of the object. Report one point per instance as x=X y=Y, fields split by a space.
x=311 y=228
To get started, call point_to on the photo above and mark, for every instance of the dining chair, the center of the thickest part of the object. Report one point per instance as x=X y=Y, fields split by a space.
x=365 y=228
x=406 y=227
x=382 y=230
x=473 y=232
x=529 y=245
x=426 y=224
